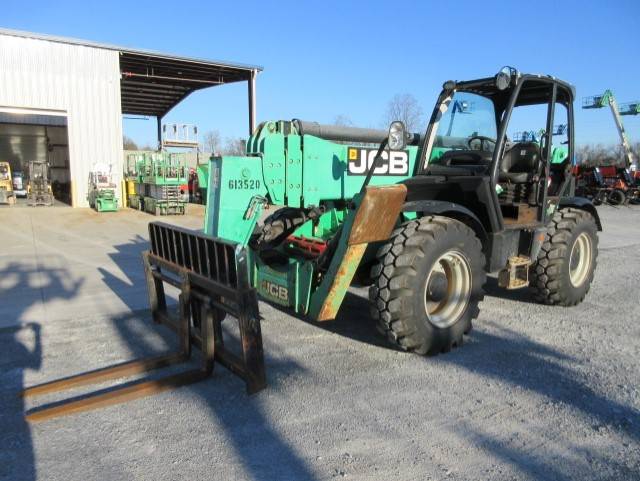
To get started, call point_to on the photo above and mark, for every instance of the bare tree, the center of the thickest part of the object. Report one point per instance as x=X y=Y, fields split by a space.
x=404 y=107
x=599 y=154
x=128 y=143
x=235 y=146
x=211 y=141
x=342 y=121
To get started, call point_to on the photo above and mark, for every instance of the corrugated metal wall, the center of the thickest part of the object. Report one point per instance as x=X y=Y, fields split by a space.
x=82 y=81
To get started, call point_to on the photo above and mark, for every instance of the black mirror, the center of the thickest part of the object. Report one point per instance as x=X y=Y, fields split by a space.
x=397 y=139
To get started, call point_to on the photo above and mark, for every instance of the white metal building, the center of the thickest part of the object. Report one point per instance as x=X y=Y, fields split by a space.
x=62 y=100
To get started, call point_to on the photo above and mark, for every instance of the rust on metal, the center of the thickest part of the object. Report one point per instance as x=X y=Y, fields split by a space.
x=341 y=282
x=116 y=396
x=114 y=372
x=374 y=220
x=526 y=215
x=377 y=214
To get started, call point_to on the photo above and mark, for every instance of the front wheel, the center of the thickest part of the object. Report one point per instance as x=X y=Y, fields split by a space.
x=428 y=284
x=563 y=273
x=616 y=197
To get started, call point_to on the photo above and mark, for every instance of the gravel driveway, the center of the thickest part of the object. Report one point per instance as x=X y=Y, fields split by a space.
x=536 y=392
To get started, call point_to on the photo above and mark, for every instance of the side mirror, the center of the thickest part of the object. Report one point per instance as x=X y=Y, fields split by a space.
x=397 y=139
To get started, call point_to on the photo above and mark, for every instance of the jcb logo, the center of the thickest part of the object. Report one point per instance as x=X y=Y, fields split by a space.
x=275 y=290
x=394 y=162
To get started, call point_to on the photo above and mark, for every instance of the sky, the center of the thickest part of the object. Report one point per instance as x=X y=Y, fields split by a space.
x=327 y=59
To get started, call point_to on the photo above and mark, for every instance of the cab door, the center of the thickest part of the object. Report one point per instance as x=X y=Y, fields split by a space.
x=523 y=168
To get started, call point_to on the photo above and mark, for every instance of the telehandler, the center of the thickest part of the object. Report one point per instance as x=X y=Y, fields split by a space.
x=422 y=224
x=421 y=218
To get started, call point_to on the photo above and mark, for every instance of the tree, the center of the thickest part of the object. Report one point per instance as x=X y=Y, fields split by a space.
x=404 y=107
x=235 y=146
x=593 y=155
x=342 y=121
x=128 y=143
x=211 y=142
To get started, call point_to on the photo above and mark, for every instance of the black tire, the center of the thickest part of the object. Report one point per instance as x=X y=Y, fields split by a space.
x=616 y=197
x=551 y=274
x=405 y=265
x=277 y=227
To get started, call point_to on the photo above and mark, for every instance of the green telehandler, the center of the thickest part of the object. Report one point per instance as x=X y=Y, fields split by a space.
x=422 y=223
x=422 y=218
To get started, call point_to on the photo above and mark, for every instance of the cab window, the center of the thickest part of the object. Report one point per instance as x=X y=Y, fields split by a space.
x=469 y=116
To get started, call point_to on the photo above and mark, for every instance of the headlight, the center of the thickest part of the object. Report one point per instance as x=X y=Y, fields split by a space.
x=397 y=136
x=503 y=80
x=504 y=76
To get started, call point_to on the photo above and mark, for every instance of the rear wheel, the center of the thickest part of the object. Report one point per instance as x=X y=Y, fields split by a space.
x=566 y=264
x=616 y=197
x=428 y=283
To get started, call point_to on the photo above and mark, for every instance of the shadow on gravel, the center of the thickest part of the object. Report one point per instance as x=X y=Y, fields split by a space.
x=22 y=286
x=265 y=453
x=536 y=368
x=491 y=288
x=536 y=467
x=544 y=371
x=508 y=357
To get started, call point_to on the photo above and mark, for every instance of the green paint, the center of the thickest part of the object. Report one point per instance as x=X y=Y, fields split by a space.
x=164 y=168
x=233 y=182
x=287 y=284
x=106 y=202
x=320 y=294
x=295 y=171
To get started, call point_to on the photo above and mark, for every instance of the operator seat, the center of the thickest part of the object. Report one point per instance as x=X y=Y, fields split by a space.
x=520 y=163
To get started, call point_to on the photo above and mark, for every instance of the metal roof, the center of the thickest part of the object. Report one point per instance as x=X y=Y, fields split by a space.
x=152 y=83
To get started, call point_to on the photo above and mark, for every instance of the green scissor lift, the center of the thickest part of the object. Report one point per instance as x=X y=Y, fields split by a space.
x=157 y=178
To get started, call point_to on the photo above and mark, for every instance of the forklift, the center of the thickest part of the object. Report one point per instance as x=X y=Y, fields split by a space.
x=101 y=192
x=7 y=195
x=421 y=218
x=39 y=186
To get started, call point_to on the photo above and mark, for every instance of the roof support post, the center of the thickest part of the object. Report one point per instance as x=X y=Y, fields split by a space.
x=252 y=100
x=159 y=120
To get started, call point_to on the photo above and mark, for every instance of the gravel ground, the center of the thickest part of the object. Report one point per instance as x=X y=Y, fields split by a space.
x=535 y=393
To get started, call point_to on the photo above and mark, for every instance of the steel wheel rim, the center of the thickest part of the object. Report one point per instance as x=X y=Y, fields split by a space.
x=580 y=260
x=455 y=267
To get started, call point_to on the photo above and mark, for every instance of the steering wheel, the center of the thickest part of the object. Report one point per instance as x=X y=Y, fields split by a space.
x=482 y=140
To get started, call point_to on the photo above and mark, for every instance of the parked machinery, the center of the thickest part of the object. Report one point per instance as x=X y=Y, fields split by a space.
x=422 y=224
x=102 y=189
x=421 y=218
x=202 y=172
x=157 y=179
x=39 y=186
x=19 y=184
x=621 y=183
x=7 y=195
x=608 y=183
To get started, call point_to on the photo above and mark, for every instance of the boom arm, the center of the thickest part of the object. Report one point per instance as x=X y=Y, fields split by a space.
x=608 y=99
x=630 y=158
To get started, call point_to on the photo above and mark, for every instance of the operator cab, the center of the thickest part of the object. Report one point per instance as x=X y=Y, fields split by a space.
x=468 y=158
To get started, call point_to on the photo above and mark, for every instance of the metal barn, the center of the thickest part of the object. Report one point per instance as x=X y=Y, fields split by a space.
x=62 y=101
